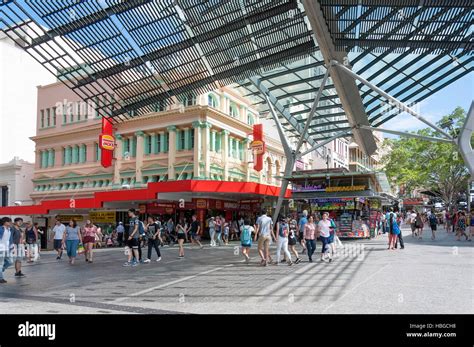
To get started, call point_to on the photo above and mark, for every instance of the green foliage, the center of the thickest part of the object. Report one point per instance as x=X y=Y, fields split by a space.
x=434 y=166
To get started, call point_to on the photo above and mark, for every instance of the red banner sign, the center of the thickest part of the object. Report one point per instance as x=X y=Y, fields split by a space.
x=258 y=147
x=106 y=143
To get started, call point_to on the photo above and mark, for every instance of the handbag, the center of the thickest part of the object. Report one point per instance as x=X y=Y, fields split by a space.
x=80 y=249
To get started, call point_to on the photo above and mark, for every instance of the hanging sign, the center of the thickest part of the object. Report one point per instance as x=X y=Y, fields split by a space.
x=258 y=147
x=106 y=143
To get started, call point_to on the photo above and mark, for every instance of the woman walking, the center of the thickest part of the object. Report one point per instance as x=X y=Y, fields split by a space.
x=461 y=226
x=31 y=235
x=324 y=228
x=219 y=225
x=394 y=230
x=419 y=225
x=212 y=231
x=282 y=241
x=72 y=238
x=293 y=240
x=153 y=238
x=246 y=239
x=310 y=237
x=89 y=234
x=182 y=236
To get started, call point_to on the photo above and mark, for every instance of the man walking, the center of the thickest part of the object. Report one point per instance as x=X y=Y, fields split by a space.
x=413 y=223
x=301 y=224
x=120 y=232
x=19 y=245
x=58 y=231
x=265 y=235
x=133 y=236
x=195 y=229
x=6 y=244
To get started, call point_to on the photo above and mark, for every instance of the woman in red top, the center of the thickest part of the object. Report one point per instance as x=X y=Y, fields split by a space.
x=88 y=236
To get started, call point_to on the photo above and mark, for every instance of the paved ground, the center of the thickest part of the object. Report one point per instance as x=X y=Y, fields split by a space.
x=426 y=277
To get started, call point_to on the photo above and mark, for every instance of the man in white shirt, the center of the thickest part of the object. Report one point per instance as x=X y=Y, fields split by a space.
x=6 y=243
x=265 y=235
x=58 y=231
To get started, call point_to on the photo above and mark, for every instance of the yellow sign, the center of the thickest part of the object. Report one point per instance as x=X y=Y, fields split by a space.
x=64 y=218
x=257 y=147
x=345 y=189
x=103 y=217
x=107 y=142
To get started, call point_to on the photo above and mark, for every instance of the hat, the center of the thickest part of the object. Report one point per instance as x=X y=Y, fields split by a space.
x=120 y=223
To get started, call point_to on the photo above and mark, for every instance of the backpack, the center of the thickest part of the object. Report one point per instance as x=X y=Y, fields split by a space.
x=246 y=236
x=284 y=230
x=432 y=219
x=141 y=228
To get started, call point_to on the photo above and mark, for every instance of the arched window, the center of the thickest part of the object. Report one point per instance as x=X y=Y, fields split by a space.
x=189 y=100
x=250 y=119
x=233 y=110
x=212 y=101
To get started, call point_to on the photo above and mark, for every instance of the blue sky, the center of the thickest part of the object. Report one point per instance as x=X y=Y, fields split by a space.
x=459 y=93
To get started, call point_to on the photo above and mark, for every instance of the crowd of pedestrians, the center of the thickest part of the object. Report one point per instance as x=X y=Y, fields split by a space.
x=293 y=237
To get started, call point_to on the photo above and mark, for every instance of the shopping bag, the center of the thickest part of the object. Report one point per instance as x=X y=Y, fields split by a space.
x=80 y=249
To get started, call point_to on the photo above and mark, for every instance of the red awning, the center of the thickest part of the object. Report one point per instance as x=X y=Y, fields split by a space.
x=150 y=193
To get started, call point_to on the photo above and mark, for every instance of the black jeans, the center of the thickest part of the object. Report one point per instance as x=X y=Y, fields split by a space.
x=153 y=244
x=120 y=239
x=400 y=238
x=311 y=247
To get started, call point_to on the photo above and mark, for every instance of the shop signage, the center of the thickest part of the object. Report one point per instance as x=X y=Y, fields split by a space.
x=299 y=165
x=201 y=203
x=64 y=218
x=258 y=145
x=412 y=202
x=322 y=188
x=160 y=208
x=106 y=142
x=309 y=188
x=218 y=205
x=345 y=189
x=104 y=217
x=231 y=205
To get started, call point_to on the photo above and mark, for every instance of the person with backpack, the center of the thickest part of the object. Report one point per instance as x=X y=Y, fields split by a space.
x=282 y=241
x=461 y=226
x=399 y=236
x=393 y=228
x=246 y=231
x=419 y=225
x=133 y=235
x=433 y=224
x=31 y=235
x=153 y=230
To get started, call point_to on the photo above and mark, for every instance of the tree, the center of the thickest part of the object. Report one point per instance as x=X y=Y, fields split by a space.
x=434 y=166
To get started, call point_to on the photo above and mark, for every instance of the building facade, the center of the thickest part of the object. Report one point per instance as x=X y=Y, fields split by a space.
x=16 y=182
x=204 y=138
